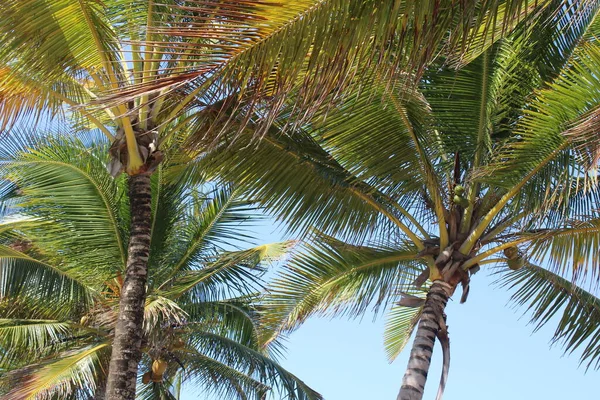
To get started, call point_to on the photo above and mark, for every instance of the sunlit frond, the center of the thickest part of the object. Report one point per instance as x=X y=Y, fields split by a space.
x=68 y=185
x=24 y=276
x=69 y=372
x=332 y=277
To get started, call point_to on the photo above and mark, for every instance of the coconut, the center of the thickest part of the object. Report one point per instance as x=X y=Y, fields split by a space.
x=459 y=190
x=516 y=263
x=511 y=253
x=158 y=370
x=147 y=377
x=178 y=343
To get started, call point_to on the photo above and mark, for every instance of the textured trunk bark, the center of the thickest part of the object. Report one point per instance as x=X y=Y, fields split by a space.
x=126 y=352
x=415 y=377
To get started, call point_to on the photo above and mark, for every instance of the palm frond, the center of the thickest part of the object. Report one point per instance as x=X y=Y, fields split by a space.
x=547 y=295
x=570 y=249
x=24 y=276
x=64 y=32
x=333 y=277
x=67 y=183
x=207 y=225
x=239 y=318
x=253 y=363
x=227 y=274
x=222 y=380
x=69 y=372
x=401 y=322
x=306 y=187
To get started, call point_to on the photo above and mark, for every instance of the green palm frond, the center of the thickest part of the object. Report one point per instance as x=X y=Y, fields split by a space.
x=307 y=187
x=239 y=318
x=333 y=277
x=67 y=184
x=21 y=340
x=155 y=391
x=228 y=273
x=548 y=296
x=573 y=248
x=206 y=225
x=254 y=364
x=63 y=289
x=401 y=322
x=562 y=107
x=222 y=380
x=34 y=334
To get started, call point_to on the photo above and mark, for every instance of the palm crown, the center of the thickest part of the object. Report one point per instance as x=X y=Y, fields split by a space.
x=61 y=273
x=409 y=187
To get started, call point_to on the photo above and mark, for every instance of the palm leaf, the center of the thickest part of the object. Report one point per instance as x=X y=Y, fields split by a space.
x=333 y=277
x=22 y=275
x=401 y=322
x=67 y=183
x=230 y=272
x=572 y=248
x=547 y=295
x=72 y=371
x=253 y=363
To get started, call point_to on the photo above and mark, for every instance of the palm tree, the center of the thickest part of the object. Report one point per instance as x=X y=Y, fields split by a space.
x=129 y=67
x=62 y=261
x=409 y=191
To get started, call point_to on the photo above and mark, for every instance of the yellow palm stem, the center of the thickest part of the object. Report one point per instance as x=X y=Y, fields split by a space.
x=487 y=220
x=426 y=172
x=477 y=259
x=89 y=116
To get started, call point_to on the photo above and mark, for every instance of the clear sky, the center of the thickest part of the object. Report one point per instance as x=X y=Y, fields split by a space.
x=494 y=355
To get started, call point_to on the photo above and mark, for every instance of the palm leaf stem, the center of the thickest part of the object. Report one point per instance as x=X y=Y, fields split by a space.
x=468 y=213
x=135 y=159
x=81 y=110
x=427 y=172
x=487 y=220
x=476 y=260
x=501 y=226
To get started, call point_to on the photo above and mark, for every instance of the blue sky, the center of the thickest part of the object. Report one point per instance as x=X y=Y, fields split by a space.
x=494 y=355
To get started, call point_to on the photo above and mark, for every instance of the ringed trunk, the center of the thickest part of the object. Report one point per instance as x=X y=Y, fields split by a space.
x=431 y=323
x=126 y=353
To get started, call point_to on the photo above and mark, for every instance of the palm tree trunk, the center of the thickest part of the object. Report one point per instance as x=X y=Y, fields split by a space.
x=126 y=352
x=430 y=324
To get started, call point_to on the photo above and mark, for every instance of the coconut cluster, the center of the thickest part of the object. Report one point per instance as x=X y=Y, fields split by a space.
x=458 y=199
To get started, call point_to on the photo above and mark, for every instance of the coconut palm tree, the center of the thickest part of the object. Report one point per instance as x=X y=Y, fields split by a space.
x=129 y=67
x=62 y=262
x=409 y=191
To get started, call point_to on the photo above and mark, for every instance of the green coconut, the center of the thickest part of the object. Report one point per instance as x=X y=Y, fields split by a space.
x=516 y=263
